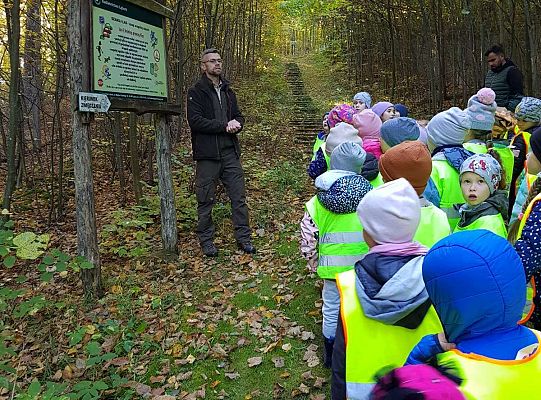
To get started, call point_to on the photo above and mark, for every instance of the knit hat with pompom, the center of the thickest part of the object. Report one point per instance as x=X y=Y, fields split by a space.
x=481 y=109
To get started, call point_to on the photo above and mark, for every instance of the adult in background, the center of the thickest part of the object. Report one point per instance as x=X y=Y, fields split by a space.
x=215 y=119
x=504 y=78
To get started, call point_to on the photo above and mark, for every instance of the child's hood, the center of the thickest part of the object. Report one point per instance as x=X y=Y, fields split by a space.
x=477 y=284
x=454 y=155
x=344 y=194
x=391 y=287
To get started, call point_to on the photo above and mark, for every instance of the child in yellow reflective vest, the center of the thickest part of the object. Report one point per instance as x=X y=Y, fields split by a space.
x=331 y=235
x=482 y=183
x=384 y=307
x=477 y=285
x=446 y=133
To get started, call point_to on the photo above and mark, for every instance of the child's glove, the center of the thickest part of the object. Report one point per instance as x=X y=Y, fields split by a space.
x=428 y=347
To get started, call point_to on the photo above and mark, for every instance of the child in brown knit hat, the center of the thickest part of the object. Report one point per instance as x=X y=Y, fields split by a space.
x=412 y=161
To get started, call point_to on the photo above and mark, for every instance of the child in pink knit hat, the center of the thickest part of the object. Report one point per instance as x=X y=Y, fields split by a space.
x=369 y=124
x=341 y=113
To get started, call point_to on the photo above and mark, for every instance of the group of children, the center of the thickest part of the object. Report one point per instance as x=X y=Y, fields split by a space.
x=408 y=231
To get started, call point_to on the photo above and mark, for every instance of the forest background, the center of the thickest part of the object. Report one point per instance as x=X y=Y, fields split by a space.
x=427 y=54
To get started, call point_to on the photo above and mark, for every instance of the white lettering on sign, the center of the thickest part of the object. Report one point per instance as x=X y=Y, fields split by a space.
x=93 y=102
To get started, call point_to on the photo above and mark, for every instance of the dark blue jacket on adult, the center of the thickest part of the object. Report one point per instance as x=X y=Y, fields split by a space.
x=477 y=285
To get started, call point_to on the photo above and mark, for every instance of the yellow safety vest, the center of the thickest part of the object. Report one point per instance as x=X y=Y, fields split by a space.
x=447 y=181
x=508 y=159
x=477 y=148
x=320 y=144
x=530 y=288
x=530 y=180
x=433 y=226
x=526 y=136
x=493 y=223
x=370 y=344
x=490 y=379
x=340 y=244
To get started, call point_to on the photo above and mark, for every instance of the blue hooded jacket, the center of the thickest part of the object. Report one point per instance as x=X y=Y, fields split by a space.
x=477 y=285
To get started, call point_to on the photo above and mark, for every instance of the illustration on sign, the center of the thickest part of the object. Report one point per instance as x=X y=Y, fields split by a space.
x=129 y=51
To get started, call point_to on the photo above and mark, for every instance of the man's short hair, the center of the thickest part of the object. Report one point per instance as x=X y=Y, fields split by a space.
x=496 y=49
x=210 y=50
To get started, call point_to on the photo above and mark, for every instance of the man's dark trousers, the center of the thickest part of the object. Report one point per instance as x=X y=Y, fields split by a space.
x=230 y=172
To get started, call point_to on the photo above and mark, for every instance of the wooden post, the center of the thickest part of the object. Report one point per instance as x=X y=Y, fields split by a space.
x=79 y=67
x=165 y=184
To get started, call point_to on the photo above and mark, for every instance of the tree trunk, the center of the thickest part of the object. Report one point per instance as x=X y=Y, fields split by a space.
x=165 y=185
x=14 y=35
x=87 y=237
x=32 y=70
x=531 y=51
x=393 y=58
x=134 y=158
x=119 y=161
x=60 y=82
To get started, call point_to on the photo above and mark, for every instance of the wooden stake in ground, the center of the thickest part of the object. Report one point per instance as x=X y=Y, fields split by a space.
x=165 y=185
x=79 y=65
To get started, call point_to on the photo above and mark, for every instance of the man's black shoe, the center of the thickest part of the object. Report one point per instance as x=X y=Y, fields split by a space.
x=247 y=247
x=209 y=250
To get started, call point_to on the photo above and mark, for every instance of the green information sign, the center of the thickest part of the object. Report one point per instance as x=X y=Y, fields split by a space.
x=128 y=51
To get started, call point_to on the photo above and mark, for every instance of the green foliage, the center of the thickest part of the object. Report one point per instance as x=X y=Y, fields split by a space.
x=28 y=252
x=127 y=235
x=284 y=178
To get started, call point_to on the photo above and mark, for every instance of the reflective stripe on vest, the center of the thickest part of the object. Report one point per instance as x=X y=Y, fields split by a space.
x=530 y=288
x=493 y=223
x=371 y=345
x=447 y=181
x=487 y=378
x=377 y=181
x=340 y=243
x=433 y=226
x=341 y=237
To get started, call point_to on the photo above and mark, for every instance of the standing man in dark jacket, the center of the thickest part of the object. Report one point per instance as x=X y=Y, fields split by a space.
x=215 y=119
x=504 y=78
